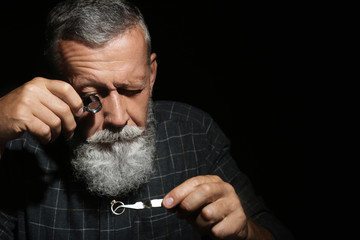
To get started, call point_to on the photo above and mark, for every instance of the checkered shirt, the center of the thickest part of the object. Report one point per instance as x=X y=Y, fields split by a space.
x=41 y=200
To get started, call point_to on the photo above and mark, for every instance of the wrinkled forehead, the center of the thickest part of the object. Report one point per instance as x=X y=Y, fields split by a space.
x=124 y=53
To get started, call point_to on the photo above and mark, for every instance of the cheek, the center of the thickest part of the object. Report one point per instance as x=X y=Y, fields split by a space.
x=138 y=108
x=138 y=113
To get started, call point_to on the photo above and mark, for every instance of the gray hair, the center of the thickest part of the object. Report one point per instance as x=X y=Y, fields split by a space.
x=92 y=23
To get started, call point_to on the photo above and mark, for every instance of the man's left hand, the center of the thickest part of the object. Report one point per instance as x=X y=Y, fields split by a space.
x=211 y=205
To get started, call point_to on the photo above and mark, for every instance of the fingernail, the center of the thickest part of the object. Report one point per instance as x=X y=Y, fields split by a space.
x=69 y=137
x=168 y=202
x=80 y=112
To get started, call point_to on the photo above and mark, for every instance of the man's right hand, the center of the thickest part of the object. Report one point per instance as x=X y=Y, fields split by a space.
x=42 y=107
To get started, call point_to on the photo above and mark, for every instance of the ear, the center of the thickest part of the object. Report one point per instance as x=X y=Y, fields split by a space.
x=153 y=68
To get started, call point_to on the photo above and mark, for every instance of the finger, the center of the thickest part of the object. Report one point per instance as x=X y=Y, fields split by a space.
x=202 y=195
x=214 y=212
x=210 y=215
x=178 y=194
x=46 y=116
x=66 y=93
x=39 y=129
x=62 y=111
x=234 y=224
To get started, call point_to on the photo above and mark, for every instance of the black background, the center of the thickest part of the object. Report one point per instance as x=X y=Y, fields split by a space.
x=239 y=62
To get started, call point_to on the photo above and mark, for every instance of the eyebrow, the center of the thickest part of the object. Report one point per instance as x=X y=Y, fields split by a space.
x=131 y=86
x=90 y=82
x=85 y=81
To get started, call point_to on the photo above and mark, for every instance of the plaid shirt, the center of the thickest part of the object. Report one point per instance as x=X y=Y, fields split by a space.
x=40 y=199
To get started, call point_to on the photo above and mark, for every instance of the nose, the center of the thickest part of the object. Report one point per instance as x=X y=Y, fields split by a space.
x=115 y=111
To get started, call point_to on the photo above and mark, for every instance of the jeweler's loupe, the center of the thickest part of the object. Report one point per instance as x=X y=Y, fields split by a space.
x=92 y=104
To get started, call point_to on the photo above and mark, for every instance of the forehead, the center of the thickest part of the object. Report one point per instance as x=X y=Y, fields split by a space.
x=123 y=57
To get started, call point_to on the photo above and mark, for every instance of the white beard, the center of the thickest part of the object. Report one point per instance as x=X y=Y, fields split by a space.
x=115 y=163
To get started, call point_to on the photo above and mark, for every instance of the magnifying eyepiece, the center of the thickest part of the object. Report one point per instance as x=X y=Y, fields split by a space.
x=92 y=104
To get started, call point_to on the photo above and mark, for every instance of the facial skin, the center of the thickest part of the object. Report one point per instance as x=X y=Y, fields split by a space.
x=118 y=73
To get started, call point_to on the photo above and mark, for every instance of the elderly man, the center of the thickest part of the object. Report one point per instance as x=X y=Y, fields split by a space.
x=92 y=157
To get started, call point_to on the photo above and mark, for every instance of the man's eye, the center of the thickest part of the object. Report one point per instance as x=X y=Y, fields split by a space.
x=101 y=93
x=129 y=93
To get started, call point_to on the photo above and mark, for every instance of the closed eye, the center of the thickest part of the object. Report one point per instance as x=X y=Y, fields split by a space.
x=129 y=93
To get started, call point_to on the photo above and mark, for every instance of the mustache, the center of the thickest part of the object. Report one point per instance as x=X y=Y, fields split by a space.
x=126 y=133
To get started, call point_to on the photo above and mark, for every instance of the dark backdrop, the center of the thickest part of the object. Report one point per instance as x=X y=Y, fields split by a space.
x=237 y=61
